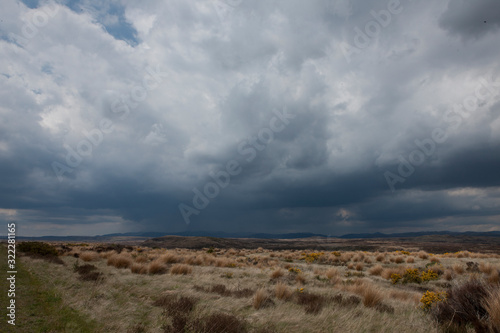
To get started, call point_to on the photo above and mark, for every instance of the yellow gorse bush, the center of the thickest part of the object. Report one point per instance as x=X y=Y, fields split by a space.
x=295 y=270
x=395 y=278
x=312 y=257
x=414 y=275
x=429 y=275
x=429 y=298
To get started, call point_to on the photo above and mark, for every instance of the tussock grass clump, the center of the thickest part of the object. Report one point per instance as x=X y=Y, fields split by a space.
x=89 y=256
x=141 y=259
x=157 y=267
x=119 y=261
x=486 y=268
x=331 y=273
x=261 y=299
x=388 y=272
x=376 y=270
x=380 y=257
x=170 y=258
x=138 y=268
x=278 y=273
x=360 y=266
x=410 y=260
x=181 y=269
x=281 y=291
x=370 y=294
x=423 y=255
x=458 y=268
x=494 y=277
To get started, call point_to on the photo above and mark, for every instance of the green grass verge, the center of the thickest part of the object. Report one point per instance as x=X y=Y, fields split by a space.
x=38 y=308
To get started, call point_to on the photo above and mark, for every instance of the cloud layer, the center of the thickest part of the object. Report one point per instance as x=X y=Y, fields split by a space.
x=270 y=116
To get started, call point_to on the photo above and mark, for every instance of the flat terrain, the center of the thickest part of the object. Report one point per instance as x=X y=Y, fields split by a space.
x=435 y=244
x=179 y=284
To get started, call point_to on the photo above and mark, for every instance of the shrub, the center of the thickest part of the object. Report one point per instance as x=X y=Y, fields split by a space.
x=429 y=275
x=181 y=269
x=37 y=248
x=429 y=298
x=87 y=272
x=395 y=278
x=178 y=308
x=464 y=305
x=294 y=270
x=281 y=291
x=412 y=275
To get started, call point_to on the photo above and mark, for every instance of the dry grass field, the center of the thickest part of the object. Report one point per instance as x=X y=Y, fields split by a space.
x=138 y=289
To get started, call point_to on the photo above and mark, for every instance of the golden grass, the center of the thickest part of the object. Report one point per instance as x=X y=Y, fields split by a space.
x=181 y=269
x=276 y=274
x=89 y=256
x=119 y=261
x=281 y=291
x=157 y=267
x=259 y=298
x=376 y=270
x=139 y=268
x=123 y=301
x=331 y=273
x=492 y=305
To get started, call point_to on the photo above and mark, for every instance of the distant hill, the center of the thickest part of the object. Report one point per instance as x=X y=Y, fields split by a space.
x=138 y=236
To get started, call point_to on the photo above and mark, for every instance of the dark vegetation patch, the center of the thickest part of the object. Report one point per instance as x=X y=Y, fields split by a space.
x=222 y=290
x=40 y=250
x=87 y=272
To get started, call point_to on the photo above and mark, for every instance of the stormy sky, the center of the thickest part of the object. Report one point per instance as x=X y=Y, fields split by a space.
x=332 y=116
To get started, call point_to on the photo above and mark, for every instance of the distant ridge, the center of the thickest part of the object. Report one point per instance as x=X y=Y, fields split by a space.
x=147 y=235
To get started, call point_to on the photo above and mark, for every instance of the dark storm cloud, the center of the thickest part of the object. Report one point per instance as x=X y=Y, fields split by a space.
x=471 y=19
x=202 y=83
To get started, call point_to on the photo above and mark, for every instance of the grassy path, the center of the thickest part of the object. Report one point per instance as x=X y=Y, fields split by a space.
x=38 y=308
